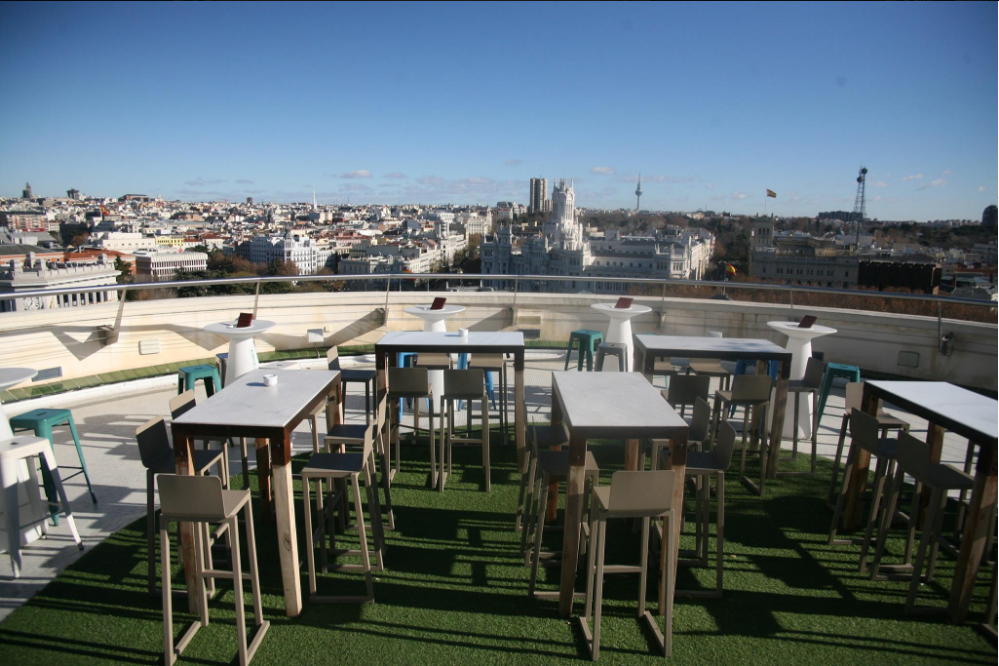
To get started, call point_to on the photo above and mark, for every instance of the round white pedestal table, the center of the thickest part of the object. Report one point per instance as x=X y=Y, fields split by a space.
x=619 y=329
x=799 y=343
x=434 y=321
x=242 y=352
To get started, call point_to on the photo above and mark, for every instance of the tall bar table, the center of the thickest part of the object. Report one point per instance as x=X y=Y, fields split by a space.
x=608 y=405
x=619 y=329
x=242 y=352
x=434 y=322
x=249 y=408
x=648 y=348
x=799 y=343
x=968 y=414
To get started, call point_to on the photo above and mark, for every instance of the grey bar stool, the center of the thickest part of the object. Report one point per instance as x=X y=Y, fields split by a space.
x=186 y=401
x=343 y=466
x=663 y=367
x=811 y=383
x=616 y=349
x=752 y=393
x=157 y=457
x=414 y=384
x=914 y=459
x=685 y=390
x=713 y=369
x=202 y=501
x=349 y=434
x=467 y=386
x=540 y=436
x=551 y=468
x=644 y=495
x=366 y=377
x=864 y=436
x=496 y=363
x=12 y=452
x=702 y=465
x=886 y=422
x=697 y=436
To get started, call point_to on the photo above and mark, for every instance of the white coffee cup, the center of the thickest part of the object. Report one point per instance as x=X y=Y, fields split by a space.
x=270 y=380
x=463 y=334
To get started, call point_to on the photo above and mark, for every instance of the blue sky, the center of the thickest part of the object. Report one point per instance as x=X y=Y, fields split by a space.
x=456 y=103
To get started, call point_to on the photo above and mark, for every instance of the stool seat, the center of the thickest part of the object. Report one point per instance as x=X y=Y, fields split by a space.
x=710 y=368
x=616 y=349
x=556 y=463
x=203 y=460
x=664 y=367
x=433 y=361
x=343 y=431
x=335 y=464
x=548 y=435
x=833 y=370
x=189 y=375
x=487 y=361
x=357 y=375
x=588 y=342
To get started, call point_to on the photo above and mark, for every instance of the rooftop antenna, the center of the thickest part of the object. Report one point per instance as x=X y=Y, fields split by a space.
x=860 y=205
x=638 y=194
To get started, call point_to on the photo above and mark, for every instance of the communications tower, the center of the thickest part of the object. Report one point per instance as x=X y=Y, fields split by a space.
x=860 y=204
x=638 y=195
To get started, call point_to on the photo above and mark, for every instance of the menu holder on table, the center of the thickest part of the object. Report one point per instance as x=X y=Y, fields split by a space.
x=807 y=321
x=245 y=319
x=623 y=303
x=438 y=304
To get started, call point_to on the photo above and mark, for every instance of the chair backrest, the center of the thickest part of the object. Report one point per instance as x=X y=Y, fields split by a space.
x=751 y=388
x=814 y=370
x=333 y=359
x=700 y=423
x=408 y=380
x=854 y=396
x=369 y=438
x=193 y=497
x=154 y=443
x=642 y=493
x=686 y=389
x=864 y=430
x=182 y=403
x=724 y=446
x=912 y=456
x=464 y=383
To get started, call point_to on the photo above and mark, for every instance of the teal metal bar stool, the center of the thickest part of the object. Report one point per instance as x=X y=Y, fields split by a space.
x=188 y=376
x=834 y=370
x=588 y=342
x=42 y=421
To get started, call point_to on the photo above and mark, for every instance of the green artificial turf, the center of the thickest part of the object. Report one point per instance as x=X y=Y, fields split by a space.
x=454 y=591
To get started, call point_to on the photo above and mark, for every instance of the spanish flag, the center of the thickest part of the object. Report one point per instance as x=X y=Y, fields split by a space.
x=104 y=211
x=771 y=194
x=729 y=268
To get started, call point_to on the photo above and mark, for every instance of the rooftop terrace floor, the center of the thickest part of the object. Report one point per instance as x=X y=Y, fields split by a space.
x=454 y=586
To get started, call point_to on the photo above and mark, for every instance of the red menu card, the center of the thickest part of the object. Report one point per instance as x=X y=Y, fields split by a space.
x=438 y=304
x=624 y=303
x=245 y=319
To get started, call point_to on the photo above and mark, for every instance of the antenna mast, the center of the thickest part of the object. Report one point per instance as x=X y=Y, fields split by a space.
x=860 y=205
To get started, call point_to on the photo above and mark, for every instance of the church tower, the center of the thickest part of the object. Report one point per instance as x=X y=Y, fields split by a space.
x=562 y=229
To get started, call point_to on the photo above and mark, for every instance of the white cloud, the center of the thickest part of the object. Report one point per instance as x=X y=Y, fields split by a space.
x=946 y=172
x=939 y=182
x=880 y=183
x=603 y=171
x=395 y=175
x=360 y=173
x=913 y=177
x=981 y=188
x=739 y=196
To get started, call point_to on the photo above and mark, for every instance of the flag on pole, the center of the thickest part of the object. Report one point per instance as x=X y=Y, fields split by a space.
x=729 y=268
x=771 y=194
x=104 y=211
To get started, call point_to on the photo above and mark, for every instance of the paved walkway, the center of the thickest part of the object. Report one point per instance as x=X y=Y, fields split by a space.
x=107 y=430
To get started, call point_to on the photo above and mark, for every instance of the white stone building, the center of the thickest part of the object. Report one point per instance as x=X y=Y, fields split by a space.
x=35 y=274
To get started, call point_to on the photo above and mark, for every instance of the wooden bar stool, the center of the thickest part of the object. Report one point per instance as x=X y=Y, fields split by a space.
x=644 y=495
x=810 y=384
x=685 y=390
x=886 y=422
x=343 y=467
x=490 y=363
x=914 y=459
x=411 y=384
x=697 y=436
x=540 y=437
x=864 y=436
x=711 y=368
x=752 y=393
x=353 y=376
x=12 y=452
x=464 y=385
x=202 y=501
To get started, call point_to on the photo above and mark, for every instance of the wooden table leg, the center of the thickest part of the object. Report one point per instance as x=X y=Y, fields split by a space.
x=631 y=451
x=519 y=409
x=184 y=456
x=976 y=533
x=575 y=487
x=858 y=480
x=935 y=442
x=677 y=463
x=777 y=426
x=264 y=477
x=284 y=504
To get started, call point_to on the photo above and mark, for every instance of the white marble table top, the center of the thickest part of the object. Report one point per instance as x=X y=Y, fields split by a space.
x=614 y=404
x=247 y=402
x=229 y=328
x=701 y=347
x=962 y=411
x=14 y=376
x=501 y=340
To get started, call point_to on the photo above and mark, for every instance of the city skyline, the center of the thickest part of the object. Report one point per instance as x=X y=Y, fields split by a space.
x=406 y=104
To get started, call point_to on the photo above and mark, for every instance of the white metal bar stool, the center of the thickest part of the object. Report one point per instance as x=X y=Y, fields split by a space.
x=644 y=495
x=202 y=501
x=12 y=452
